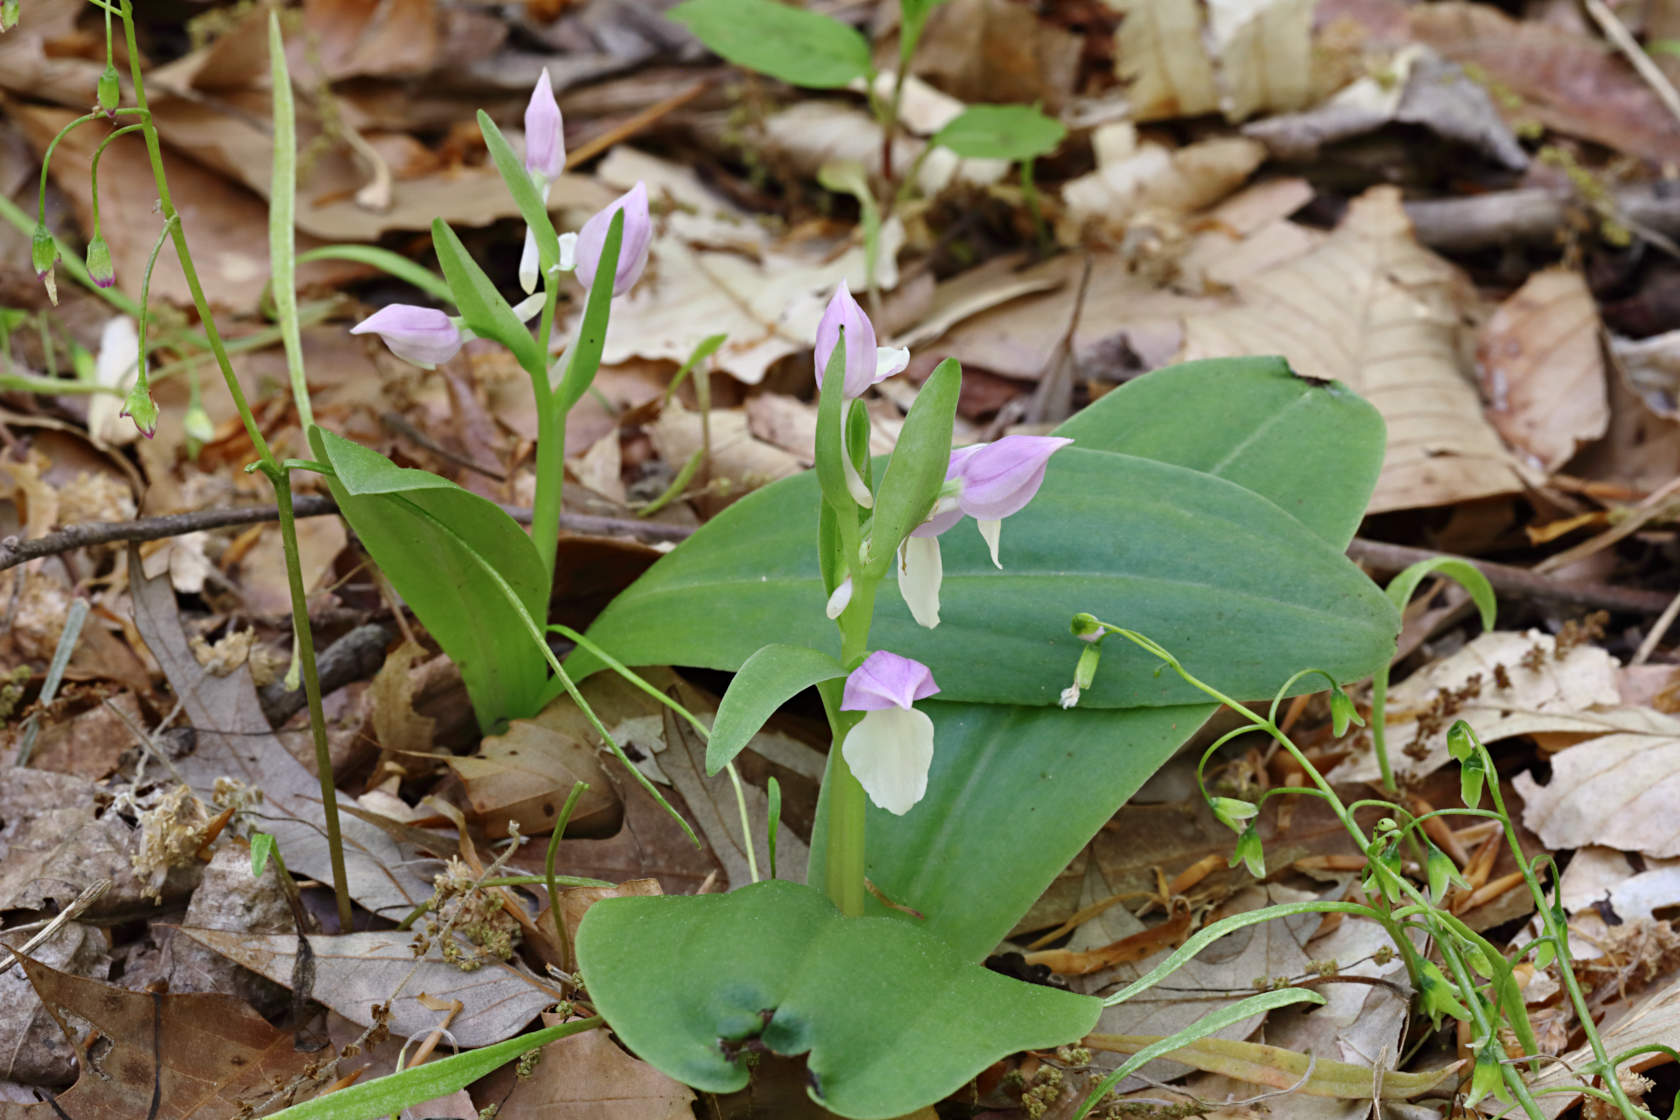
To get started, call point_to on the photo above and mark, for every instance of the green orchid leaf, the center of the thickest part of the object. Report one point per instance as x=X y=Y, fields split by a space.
x=1013 y=795
x=917 y=466
x=890 y=1018
x=767 y=680
x=1313 y=448
x=1208 y=569
x=524 y=192
x=482 y=307
x=397 y=513
x=1008 y=132
x=799 y=47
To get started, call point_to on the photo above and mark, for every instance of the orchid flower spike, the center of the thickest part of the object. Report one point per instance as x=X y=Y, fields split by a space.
x=891 y=748
x=422 y=335
x=632 y=249
x=866 y=364
x=986 y=481
x=545 y=158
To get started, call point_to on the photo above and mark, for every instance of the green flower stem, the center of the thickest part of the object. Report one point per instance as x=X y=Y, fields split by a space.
x=1483 y=1026
x=271 y=467
x=98 y=154
x=845 y=867
x=551 y=442
x=1559 y=932
x=1379 y=728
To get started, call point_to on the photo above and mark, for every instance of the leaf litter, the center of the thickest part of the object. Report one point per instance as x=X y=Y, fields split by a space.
x=1270 y=224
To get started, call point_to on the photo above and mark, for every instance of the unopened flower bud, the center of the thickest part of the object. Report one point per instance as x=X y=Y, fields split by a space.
x=197 y=426
x=545 y=142
x=110 y=92
x=422 y=335
x=1086 y=627
x=632 y=247
x=140 y=408
x=43 y=252
x=99 y=262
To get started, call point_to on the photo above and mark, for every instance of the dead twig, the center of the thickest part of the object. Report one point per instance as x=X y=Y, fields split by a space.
x=1532 y=214
x=15 y=550
x=1518 y=582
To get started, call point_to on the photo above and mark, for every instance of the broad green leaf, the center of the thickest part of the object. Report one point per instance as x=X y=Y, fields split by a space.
x=402 y=515
x=1010 y=132
x=524 y=192
x=482 y=307
x=1313 y=447
x=889 y=1016
x=917 y=467
x=1013 y=794
x=800 y=47
x=767 y=680
x=1241 y=592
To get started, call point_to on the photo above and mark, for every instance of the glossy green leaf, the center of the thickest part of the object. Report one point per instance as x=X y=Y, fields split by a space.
x=889 y=1016
x=767 y=680
x=423 y=531
x=1241 y=592
x=1013 y=794
x=1312 y=447
x=917 y=467
x=524 y=192
x=1009 y=132
x=482 y=307
x=802 y=48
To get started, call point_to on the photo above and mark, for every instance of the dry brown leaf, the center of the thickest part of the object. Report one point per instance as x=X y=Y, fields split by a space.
x=740 y=462
x=1152 y=177
x=355 y=972
x=1654 y=1019
x=1618 y=789
x=525 y=775
x=1543 y=694
x=202 y=1055
x=1374 y=309
x=396 y=724
x=234 y=740
x=1541 y=367
x=1160 y=53
x=34 y=1050
x=997 y=50
x=1570 y=82
x=587 y=1077
x=1598 y=875
x=262 y=578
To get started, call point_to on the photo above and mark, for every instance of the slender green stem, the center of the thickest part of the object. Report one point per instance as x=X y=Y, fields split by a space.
x=553 y=885
x=271 y=467
x=1379 y=727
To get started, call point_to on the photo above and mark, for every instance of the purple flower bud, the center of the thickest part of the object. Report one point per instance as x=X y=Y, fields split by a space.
x=844 y=315
x=886 y=680
x=422 y=335
x=545 y=143
x=632 y=250
x=1000 y=478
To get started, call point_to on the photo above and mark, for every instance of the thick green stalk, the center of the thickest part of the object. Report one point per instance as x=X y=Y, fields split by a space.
x=845 y=867
x=270 y=466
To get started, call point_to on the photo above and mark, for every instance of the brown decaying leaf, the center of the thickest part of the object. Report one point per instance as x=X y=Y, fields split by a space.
x=587 y=1077
x=1372 y=308
x=740 y=462
x=525 y=775
x=202 y=1055
x=34 y=1051
x=1570 y=82
x=1618 y=789
x=234 y=739
x=1542 y=369
x=354 y=972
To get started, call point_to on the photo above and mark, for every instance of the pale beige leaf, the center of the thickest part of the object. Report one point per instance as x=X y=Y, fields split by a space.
x=1617 y=789
x=739 y=460
x=586 y=1077
x=1374 y=309
x=1654 y=1019
x=1158 y=179
x=1542 y=369
x=355 y=972
x=1159 y=51
x=1597 y=875
x=1265 y=56
x=1553 y=695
